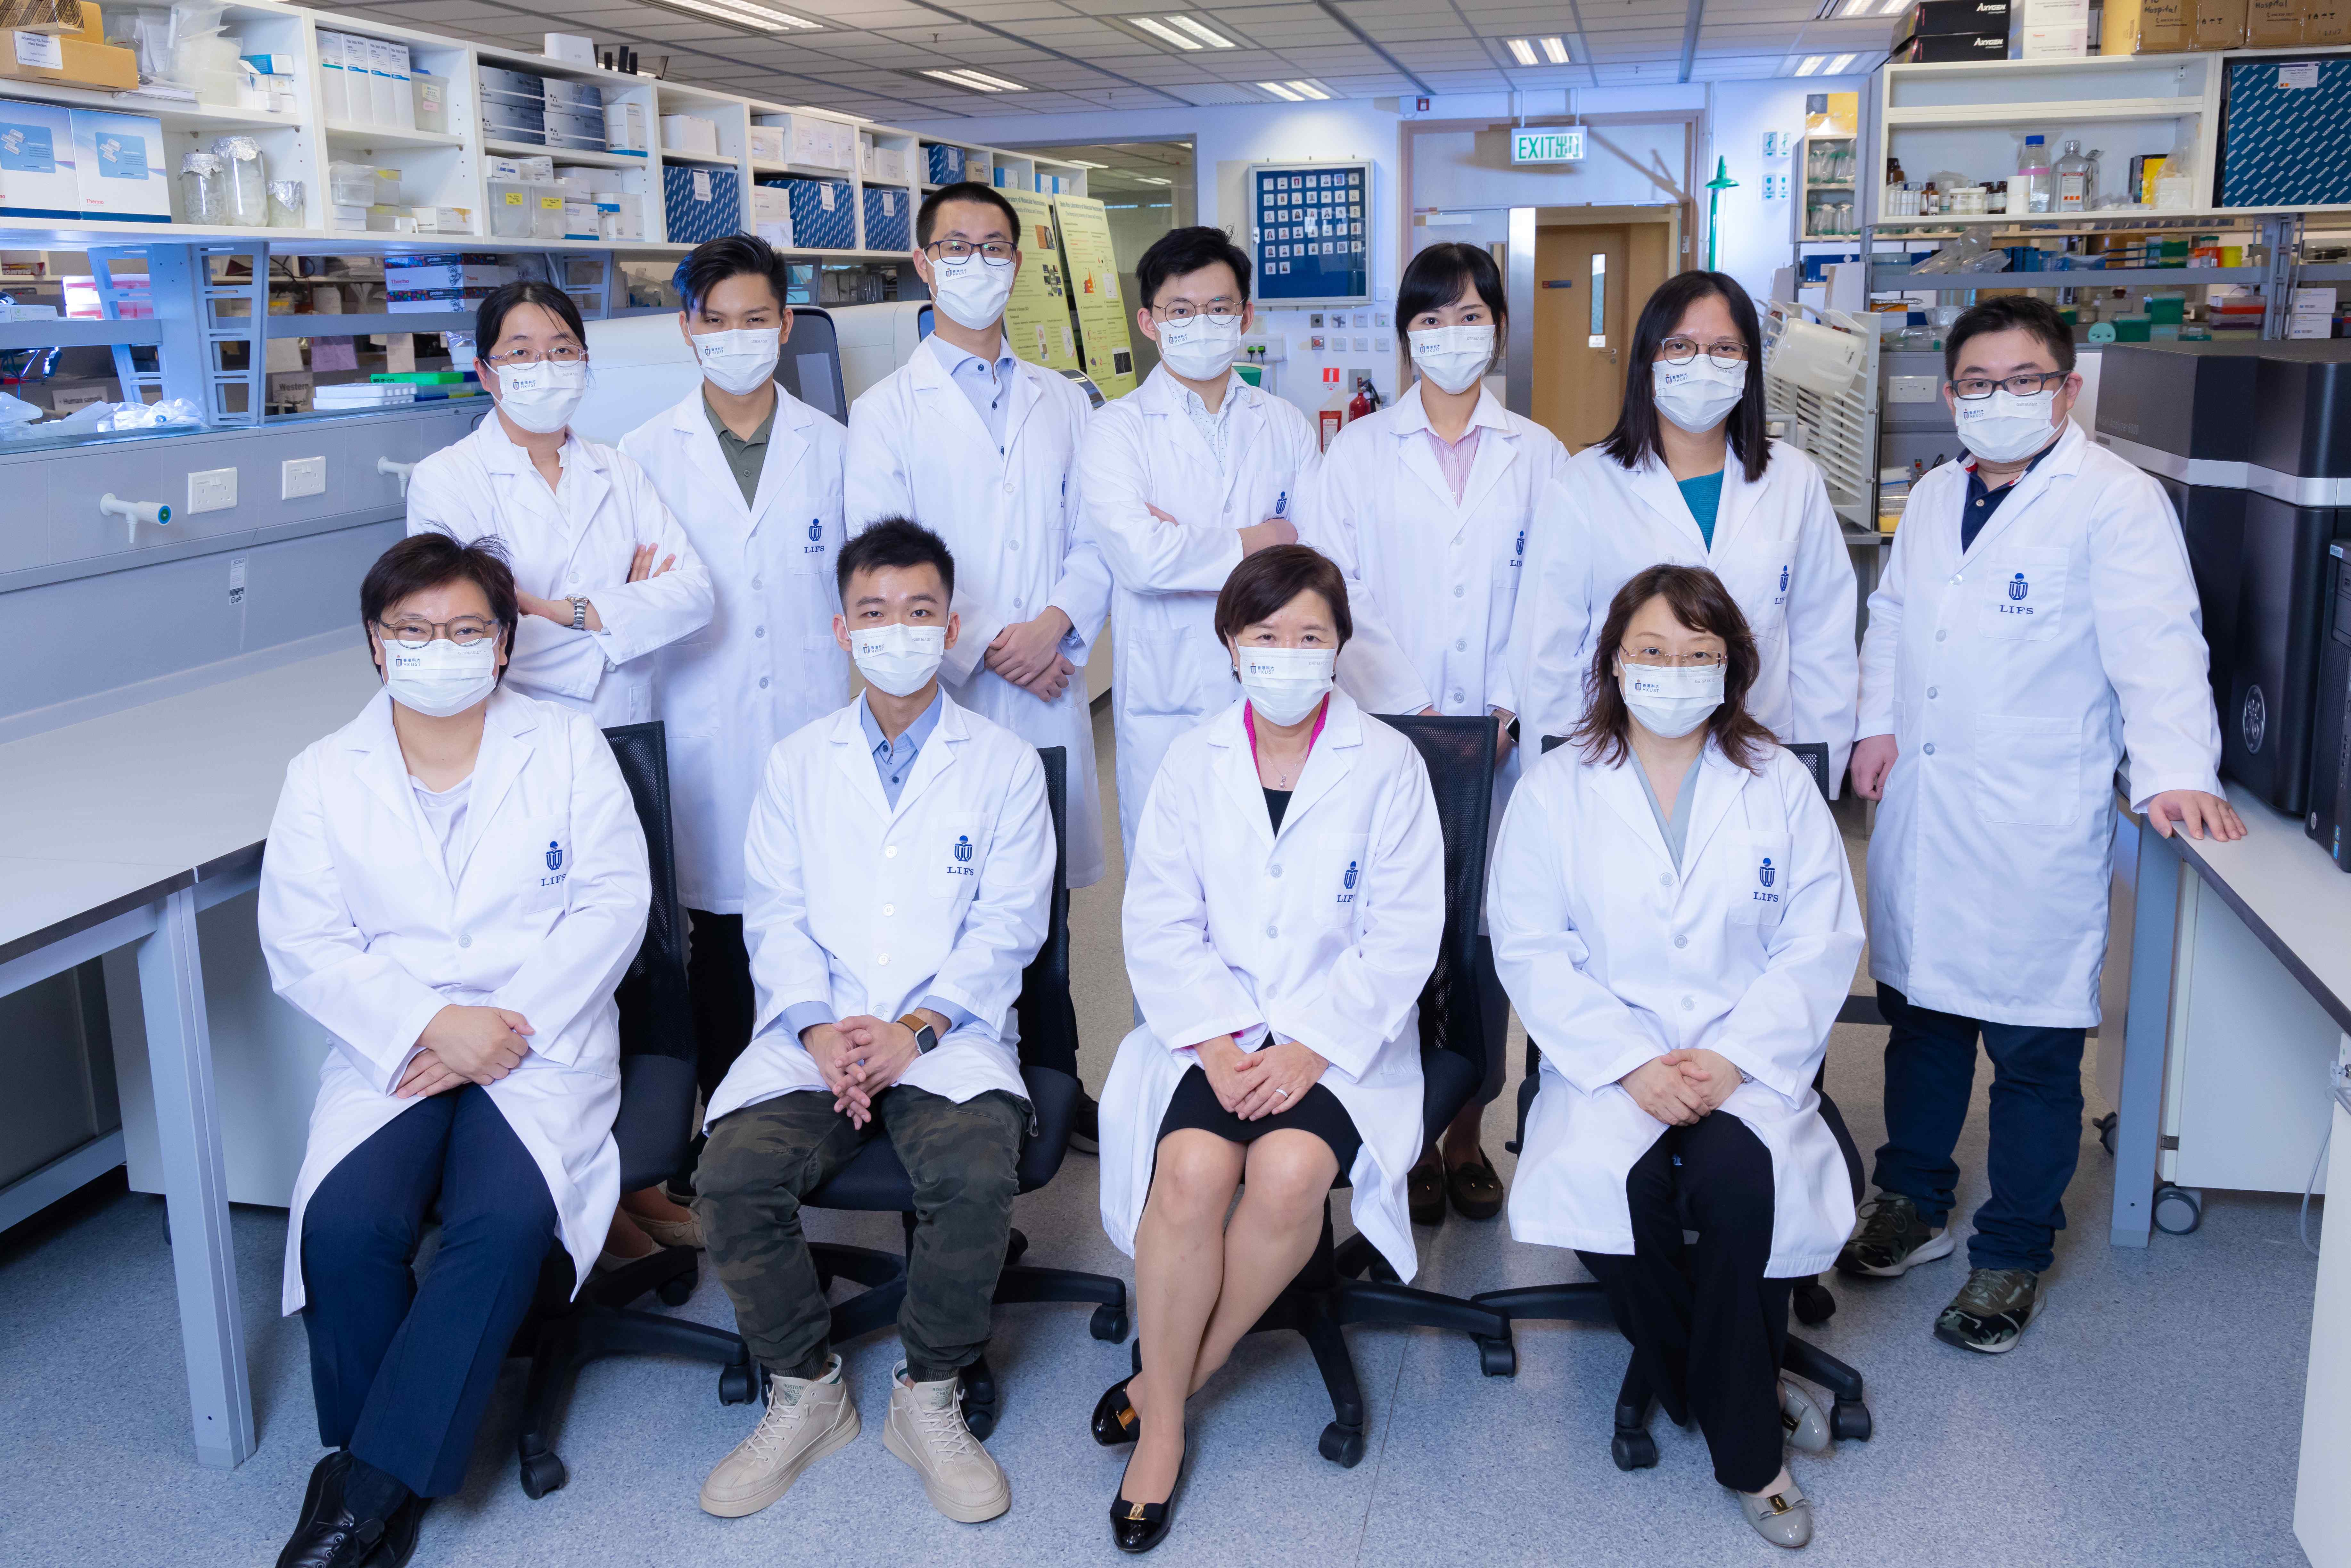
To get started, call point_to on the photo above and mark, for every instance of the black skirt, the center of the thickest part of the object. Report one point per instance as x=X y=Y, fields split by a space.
x=1318 y=1111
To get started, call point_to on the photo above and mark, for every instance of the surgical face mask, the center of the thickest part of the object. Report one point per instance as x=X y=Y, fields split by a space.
x=2005 y=427
x=972 y=291
x=1284 y=683
x=899 y=659
x=440 y=678
x=1669 y=700
x=1453 y=356
x=541 y=398
x=1699 y=395
x=1200 y=349
x=741 y=361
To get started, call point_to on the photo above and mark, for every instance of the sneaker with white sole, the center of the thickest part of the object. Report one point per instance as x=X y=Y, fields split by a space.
x=1991 y=1310
x=1889 y=1239
x=926 y=1430
x=806 y=1419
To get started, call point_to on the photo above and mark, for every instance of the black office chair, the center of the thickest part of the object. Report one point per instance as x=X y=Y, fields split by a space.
x=1584 y=1301
x=563 y=1333
x=1328 y=1292
x=875 y=1181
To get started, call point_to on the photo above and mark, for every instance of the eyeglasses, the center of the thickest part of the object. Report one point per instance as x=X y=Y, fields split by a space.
x=1682 y=350
x=1976 y=387
x=415 y=631
x=1223 y=311
x=561 y=354
x=1659 y=659
x=995 y=252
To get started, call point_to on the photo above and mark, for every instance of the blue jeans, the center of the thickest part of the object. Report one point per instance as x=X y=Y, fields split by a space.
x=2036 y=1126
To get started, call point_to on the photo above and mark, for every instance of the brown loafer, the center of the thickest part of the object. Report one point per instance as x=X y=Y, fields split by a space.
x=1424 y=1187
x=1475 y=1190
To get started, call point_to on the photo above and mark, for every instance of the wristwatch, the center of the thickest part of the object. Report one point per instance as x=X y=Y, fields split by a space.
x=580 y=612
x=926 y=1038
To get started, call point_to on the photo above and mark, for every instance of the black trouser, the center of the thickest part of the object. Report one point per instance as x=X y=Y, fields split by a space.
x=1494 y=1016
x=1706 y=1327
x=725 y=1004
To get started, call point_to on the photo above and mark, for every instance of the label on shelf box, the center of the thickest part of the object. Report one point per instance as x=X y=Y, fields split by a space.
x=43 y=51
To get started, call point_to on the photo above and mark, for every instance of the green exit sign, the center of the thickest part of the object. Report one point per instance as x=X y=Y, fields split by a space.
x=1547 y=146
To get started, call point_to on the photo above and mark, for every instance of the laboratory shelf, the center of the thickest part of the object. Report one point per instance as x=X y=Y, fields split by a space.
x=368 y=324
x=499 y=146
x=392 y=136
x=700 y=160
x=1899 y=277
x=76 y=332
x=2005 y=115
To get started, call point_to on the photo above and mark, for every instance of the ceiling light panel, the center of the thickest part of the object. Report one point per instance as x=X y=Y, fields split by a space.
x=973 y=81
x=1281 y=91
x=1555 y=51
x=1811 y=64
x=1200 y=30
x=1838 y=66
x=744 y=12
x=1521 y=50
x=1164 y=33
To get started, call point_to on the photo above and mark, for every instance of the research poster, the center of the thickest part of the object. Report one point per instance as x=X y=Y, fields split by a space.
x=1104 y=312
x=1036 y=321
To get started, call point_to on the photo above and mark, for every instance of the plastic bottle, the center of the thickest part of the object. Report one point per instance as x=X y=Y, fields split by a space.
x=2073 y=175
x=2031 y=177
x=204 y=194
x=245 y=180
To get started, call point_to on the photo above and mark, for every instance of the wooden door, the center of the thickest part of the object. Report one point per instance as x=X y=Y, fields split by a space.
x=1590 y=284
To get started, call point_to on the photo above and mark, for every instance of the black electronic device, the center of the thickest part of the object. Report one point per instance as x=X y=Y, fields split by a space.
x=2330 y=762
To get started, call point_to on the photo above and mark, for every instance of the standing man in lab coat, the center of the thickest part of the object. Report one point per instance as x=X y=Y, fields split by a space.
x=2036 y=624
x=898 y=871
x=1182 y=478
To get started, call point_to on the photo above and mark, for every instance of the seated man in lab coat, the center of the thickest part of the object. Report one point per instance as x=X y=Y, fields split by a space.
x=897 y=875
x=2035 y=620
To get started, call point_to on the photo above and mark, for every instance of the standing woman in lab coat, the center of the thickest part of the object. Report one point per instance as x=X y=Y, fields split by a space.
x=604 y=573
x=1427 y=506
x=1681 y=1028
x=1282 y=914
x=1688 y=476
x=455 y=883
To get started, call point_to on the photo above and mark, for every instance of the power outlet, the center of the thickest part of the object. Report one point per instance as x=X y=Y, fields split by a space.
x=211 y=490
x=301 y=476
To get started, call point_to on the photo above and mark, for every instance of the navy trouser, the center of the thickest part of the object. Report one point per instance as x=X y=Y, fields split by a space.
x=400 y=1370
x=2036 y=1126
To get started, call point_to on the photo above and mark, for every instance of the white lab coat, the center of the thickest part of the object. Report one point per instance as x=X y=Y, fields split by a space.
x=369 y=935
x=765 y=663
x=917 y=449
x=2014 y=678
x=1777 y=546
x=577 y=542
x=1323 y=935
x=1141 y=452
x=869 y=910
x=1748 y=949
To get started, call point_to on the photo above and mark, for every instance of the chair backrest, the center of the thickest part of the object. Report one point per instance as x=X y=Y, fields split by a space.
x=1460 y=752
x=653 y=1127
x=1048 y=1019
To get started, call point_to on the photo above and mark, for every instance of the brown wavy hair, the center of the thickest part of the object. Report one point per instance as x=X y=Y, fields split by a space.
x=1700 y=603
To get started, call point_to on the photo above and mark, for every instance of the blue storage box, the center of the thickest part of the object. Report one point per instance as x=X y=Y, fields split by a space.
x=2285 y=133
x=700 y=203
x=943 y=165
x=888 y=221
x=824 y=215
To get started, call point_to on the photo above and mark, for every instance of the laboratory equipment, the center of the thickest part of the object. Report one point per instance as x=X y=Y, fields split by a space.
x=245 y=180
x=204 y=190
x=2032 y=176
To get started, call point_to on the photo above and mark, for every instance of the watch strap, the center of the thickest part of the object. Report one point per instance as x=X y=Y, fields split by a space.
x=579 y=612
x=926 y=1038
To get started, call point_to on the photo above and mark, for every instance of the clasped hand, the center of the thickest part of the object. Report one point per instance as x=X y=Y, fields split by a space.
x=1029 y=654
x=465 y=1045
x=859 y=1058
x=1681 y=1086
x=1263 y=1083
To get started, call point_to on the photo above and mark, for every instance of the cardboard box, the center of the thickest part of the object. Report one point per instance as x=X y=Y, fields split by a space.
x=2147 y=27
x=767 y=143
x=2220 y=24
x=2068 y=43
x=71 y=61
x=60 y=16
x=2326 y=22
x=414 y=278
x=2273 y=23
x=689 y=133
x=1930 y=19
x=1950 y=46
x=118 y=167
x=37 y=162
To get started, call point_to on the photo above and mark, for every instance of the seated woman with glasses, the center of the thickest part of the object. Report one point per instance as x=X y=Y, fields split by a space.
x=455 y=882
x=1673 y=908
x=1688 y=476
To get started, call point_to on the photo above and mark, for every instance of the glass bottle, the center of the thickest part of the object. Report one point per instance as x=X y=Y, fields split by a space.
x=2072 y=176
x=2031 y=176
x=245 y=182
x=203 y=191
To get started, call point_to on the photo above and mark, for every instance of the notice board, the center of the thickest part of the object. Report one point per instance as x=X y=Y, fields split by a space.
x=1037 y=318
x=1310 y=228
x=1091 y=268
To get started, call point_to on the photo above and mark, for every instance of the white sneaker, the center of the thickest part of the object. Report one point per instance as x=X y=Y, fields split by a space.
x=807 y=1419
x=926 y=1429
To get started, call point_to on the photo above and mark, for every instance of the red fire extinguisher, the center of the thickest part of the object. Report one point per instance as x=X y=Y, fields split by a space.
x=1366 y=399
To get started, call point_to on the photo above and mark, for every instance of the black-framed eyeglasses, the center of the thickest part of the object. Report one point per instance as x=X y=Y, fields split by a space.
x=1682 y=350
x=1975 y=387
x=1223 y=311
x=415 y=631
x=995 y=252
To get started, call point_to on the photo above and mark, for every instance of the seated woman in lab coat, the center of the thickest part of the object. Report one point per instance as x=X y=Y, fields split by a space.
x=1283 y=913
x=455 y=883
x=1673 y=914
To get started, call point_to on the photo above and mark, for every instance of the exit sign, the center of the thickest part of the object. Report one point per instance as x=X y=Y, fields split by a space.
x=1547 y=146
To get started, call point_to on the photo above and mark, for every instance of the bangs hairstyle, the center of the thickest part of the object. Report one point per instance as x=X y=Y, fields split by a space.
x=1179 y=252
x=1700 y=603
x=713 y=262
x=2020 y=311
x=1442 y=274
x=893 y=542
x=1270 y=579
x=926 y=216
x=491 y=319
x=1634 y=439
x=426 y=562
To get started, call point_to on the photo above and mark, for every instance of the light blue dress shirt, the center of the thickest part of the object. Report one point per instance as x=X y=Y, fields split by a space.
x=989 y=387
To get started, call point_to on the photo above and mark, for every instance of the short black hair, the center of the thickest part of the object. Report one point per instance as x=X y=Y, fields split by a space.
x=433 y=559
x=927 y=214
x=1180 y=252
x=491 y=319
x=894 y=541
x=1271 y=578
x=2019 y=311
x=713 y=262
x=1634 y=439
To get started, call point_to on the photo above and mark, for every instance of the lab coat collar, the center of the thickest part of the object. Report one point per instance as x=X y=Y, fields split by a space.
x=1330 y=761
x=1497 y=450
x=583 y=463
x=1162 y=395
x=929 y=372
x=854 y=757
x=787 y=444
x=374 y=747
x=2061 y=461
x=1720 y=781
x=1652 y=482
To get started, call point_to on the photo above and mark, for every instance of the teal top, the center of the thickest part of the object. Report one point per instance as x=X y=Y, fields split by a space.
x=1703 y=496
x=1674 y=828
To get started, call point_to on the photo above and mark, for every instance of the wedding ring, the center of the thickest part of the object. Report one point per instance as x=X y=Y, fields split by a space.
x=1281 y=1093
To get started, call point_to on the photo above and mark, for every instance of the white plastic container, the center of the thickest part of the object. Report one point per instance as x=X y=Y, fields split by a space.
x=431 y=95
x=690 y=134
x=512 y=204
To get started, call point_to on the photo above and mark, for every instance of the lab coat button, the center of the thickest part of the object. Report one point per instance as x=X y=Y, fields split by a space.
x=758 y=630
x=884 y=957
x=465 y=941
x=1461 y=645
x=1931 y=691
x=1681 y=941
x=1457 y=698
x=1664 y=879
x=1459 y=591
x=1941 y=636
x=1272 y=930
x=1009 y=489
x=889 y=909
x=1019 y=604
x=1955 y=579
x=1687 y=1004
x=1012 y=544
x=755 y=581
x=1273 y=871
x=890 y=853
x=1930 y=749
x=763 y=683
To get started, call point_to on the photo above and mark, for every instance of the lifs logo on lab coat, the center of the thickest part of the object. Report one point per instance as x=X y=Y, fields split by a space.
x=1765 y=876
x=816 y=537
x=962 y=848
x=2017 y=588
x=554 y=855
x=1281 y=504
x=1519 y=551
x=1347 y=883
x=1783 y=577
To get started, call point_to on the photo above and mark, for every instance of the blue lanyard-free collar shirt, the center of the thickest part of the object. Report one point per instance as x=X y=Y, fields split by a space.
x=988 y=384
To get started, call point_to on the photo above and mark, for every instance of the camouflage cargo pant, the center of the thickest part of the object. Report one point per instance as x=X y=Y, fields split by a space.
x=962 y=1159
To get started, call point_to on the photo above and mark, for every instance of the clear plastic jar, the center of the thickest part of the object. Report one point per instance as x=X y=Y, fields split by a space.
x=203 y=191
x=286 y=203
x=245 y=180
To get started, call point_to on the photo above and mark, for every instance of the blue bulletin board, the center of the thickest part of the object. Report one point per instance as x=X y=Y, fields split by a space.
x=1310 y=226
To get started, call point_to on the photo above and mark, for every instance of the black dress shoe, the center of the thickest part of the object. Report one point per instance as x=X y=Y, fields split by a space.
x=1423 y=1190
x=1140 y=1526
x=1085 y=1127
x=1475 y=1190
x=400 y=1534
x=1115 y=1421
x=331 y=1538
x=326 y=1482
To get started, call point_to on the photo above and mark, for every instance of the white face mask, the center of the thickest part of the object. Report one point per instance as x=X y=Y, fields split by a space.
x=542 y=397
x=1453 y=356
x=972 y=291
x=1200 y=349
x=1670 y=700
x=1284 y=683
x=1699 y=395
x=440 y=678
x=899 y=659
x=741 y=361
x=2005 y=427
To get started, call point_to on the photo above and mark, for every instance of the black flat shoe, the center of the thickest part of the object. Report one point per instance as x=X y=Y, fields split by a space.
x=1475 y=1190
x=1140 y=1526
x=1115 y=1421
x=1423 y=1190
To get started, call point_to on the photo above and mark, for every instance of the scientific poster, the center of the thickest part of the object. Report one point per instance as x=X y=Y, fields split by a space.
x=1103 y=313
x=1037 y=321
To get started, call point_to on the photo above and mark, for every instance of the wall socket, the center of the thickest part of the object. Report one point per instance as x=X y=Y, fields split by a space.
x=211 y=490
x=301 y=476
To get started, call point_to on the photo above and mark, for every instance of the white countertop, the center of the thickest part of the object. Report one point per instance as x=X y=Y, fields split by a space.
x=2288 y=891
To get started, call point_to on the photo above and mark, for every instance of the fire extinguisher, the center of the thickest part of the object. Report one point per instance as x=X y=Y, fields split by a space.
x=1366 y=399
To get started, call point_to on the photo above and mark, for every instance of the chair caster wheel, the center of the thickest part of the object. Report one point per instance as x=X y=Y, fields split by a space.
x=736 y=1385
x=541 y=1474
x=1381 y=1269
x=1813 y=1303
x=1016 y=1248
x=1109 y=1325
x=1342 y=1445
x=1849 y=1421
x=2179 y=1210
x=2105 y=1125
x=981 y=1420
x=1497 y=1356
x=1633 y=1450
x=674 y=1292
x=979 y=1399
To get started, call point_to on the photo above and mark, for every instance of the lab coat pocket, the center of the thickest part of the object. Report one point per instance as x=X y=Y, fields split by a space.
x=2028 y=771
x=1161 y=669
x=1755 y=871
x=1340 y=874
x=812 y=540
x=1768 y=598
x=2024 y=595
x=547 y=875
x=958 y=852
